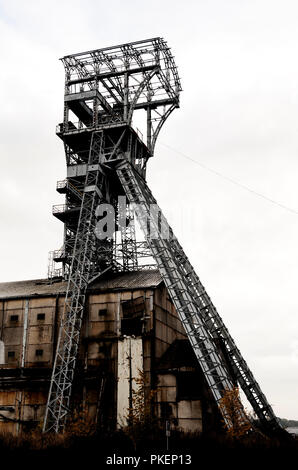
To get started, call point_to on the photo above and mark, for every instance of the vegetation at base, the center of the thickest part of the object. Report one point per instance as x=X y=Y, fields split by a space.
x=143 y=435
x=237 y=423
x=140 y=417
x=87 y=448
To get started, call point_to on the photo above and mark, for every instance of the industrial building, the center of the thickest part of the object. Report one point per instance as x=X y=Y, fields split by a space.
x=82 y=337
x=130 y=325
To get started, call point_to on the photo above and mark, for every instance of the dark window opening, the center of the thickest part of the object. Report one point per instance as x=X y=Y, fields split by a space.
x=133 y=312
x=165 y=410
x=131 y=326
x=41 y=316
x=11 y=354
x=188 y=386
x=39 y=352
x=14 y=317
x=105 y=349
x=102 y=311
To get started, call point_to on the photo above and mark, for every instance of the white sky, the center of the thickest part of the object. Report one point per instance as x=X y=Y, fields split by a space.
x=238 y=116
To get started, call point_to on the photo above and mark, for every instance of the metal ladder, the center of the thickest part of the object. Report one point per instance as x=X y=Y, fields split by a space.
x=128 y=241
x=199 y=316
x=213 y=366
x=99 y=404
x=81 y=271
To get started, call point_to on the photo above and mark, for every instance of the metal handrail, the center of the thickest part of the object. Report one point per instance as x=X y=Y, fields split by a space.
x=59 y=208
x=79 y=126
x=59 y=254
x=67 y=184
x=61 y=184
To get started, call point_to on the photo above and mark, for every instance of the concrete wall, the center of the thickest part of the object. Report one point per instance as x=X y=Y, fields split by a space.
x=168 y=327
x=185 y=414
x=29 y=329
x=28 y=335
x=130 y=364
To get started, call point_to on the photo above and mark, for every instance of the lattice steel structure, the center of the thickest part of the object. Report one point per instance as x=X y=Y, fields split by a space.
x=106 y=159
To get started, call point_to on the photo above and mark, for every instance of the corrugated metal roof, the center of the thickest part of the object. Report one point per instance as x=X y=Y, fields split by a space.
x=116 y=281
x=131 y=280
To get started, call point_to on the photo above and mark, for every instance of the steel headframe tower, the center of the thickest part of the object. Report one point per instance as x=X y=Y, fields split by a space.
x=107 y=158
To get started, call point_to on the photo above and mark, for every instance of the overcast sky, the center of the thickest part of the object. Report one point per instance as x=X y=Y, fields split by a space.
x=238 y=62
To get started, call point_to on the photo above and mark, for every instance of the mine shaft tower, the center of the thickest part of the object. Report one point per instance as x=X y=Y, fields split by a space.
x=106 y=158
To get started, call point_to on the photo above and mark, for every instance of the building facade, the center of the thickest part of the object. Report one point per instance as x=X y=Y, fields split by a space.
x=130 y=329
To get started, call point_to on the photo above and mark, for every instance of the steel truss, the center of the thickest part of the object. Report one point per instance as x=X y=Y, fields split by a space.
x=199 y=316
x=128 y=242
x=106 y=158
x=81 y=270
x=118 y=80
x=103 y=89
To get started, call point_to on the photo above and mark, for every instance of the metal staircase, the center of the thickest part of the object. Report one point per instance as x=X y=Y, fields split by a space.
x=128 y=241
x=199 y=316
x=212 y=365
x=105 y=159
x=81 y=270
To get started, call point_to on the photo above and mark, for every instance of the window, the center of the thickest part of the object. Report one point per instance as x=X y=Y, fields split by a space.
x=132 y=321
x=102 y=311
x=11 y=354
x=41 y=316
x=165 y=410
x=39 y=352
x=14 y=318
x=131 y=326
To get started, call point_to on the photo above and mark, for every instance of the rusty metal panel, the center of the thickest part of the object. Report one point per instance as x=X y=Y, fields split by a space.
x=40 y=334
x=13 y=304
x=14 y=361
x=102 y=311
x=8 y=427
x=8 y=397
x=125 y=296
x=93 y=351
x=35 y=397
x=32 y=359
x=49 y=315
x=42 y=302
x=12 y=312
x=98 y=328
x=13 y=336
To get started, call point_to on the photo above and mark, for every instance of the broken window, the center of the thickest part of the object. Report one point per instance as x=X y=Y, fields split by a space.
x=41 y=316
x=165 y=410
x=133 y=315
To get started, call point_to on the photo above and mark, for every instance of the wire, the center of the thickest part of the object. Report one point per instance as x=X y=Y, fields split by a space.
x=230 y=180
